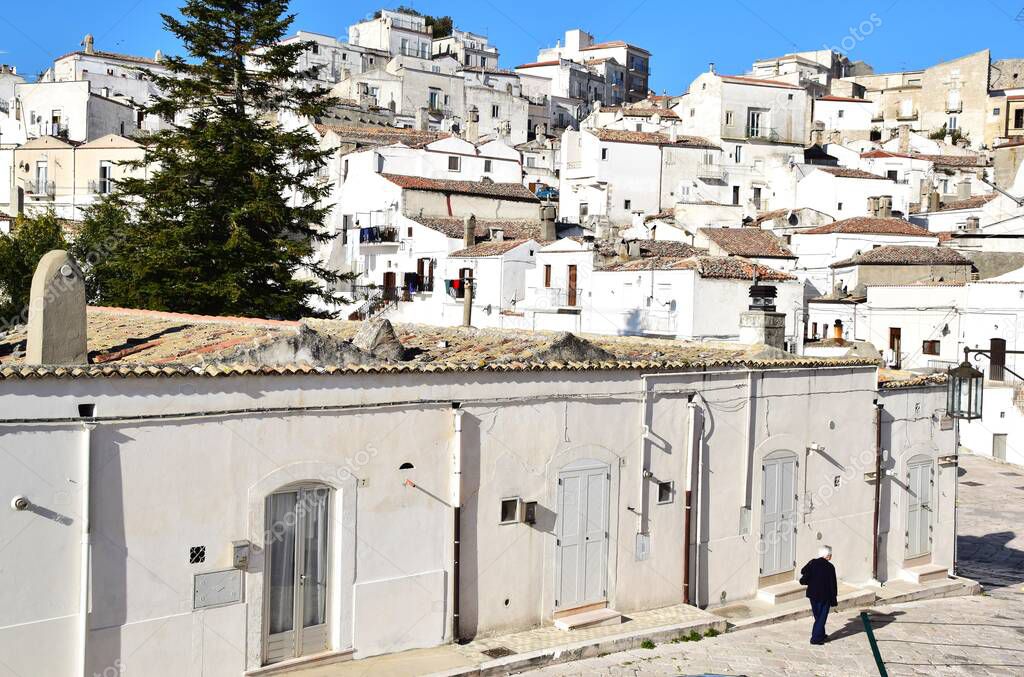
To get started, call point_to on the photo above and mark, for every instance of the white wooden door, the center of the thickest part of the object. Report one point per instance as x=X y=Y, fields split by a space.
x=919 y=509
x=778 y=514
x=582 y=536
x=296 y=571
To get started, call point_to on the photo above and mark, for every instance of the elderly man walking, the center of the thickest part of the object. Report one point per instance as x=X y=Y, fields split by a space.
x=819 y=575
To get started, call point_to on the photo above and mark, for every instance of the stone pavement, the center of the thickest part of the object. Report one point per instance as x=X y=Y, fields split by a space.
x=980 y=635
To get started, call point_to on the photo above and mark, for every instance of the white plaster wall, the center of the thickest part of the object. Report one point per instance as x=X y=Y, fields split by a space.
x=999 y=415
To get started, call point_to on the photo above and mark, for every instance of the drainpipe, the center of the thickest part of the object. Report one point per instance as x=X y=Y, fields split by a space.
x=456 y=502
x=878 y=489
x=697 y=514
x=748 y=446
x=87 y=412
x=692 y=447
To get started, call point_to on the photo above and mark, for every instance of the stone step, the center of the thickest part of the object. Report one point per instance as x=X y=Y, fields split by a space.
x=589 y=619
x=782 y=593
x=925 y=573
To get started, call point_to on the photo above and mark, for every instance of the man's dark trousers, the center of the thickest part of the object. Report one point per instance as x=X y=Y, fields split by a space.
x=820 y=611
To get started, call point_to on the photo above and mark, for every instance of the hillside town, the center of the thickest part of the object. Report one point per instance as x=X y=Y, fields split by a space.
x=589 y=368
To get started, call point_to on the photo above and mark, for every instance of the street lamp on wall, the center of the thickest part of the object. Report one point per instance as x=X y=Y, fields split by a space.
x=964 y=387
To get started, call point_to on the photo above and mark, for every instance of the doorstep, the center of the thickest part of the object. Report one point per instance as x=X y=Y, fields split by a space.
x=898 y=591
x=298 y=666
x=757 y=612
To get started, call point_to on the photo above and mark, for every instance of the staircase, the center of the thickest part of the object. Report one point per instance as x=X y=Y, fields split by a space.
x=781 y=593
x=926 y=573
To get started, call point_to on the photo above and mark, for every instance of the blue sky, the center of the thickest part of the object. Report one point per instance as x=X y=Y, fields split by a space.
x=682 y=36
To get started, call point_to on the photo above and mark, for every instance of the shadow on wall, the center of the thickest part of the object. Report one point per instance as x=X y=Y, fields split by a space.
x=109 y=572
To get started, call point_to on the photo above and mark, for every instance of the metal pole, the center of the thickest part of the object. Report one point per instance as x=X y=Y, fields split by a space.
x=879 y=663
x=878 y=489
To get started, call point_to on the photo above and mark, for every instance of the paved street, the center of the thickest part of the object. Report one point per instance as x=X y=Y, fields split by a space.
x=979 y=635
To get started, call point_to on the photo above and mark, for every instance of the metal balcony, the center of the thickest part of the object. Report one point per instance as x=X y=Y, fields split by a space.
x=555 y=297
x=711 y=171
x=41 y=189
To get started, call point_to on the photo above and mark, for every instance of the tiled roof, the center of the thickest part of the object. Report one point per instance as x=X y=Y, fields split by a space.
x=847 y=173
x=848 y=99
x=744 y=80
x=494 y=248
x=129 y=58
x=516 y=229
x=748 y=242
x=1012 y=143
x=973 y=202
x=487 y=69
x=893 y=379
x=652 y=138
x=538 y=64
x=613 y=43
x=941 y=160
x=136 y=343
x=638 y=112
x=906 y=255
x=713 y=267
x=875 y=225
x=505 y=191
x=655 y=248
x=382 y=136
x=770 y=216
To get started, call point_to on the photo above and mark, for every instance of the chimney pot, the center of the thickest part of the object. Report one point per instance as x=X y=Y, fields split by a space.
x=837 y=330
x=469 y=231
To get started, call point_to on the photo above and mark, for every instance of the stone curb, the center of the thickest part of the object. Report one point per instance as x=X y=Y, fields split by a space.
x=590 y=648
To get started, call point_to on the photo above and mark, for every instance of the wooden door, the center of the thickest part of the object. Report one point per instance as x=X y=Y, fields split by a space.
x=778 y=514
x=571 y=290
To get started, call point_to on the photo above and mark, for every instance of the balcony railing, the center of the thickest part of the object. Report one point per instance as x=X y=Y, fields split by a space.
x=371 y=301
x=101 y=186
x=41 y=188
x=555 y=297
x=409 y=25
x=378 y=235
x=759 y=132
x=710 y=171
x=907 y=115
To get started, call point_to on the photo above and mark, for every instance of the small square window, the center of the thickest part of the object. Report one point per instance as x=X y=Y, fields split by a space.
x=627 y=204
x=839 y=207
x=604 y=153
x=666 y=492
x=197 y=554
x=487 y=166
x=840 y=114
x=790 y=97
x=409 y=231
x=930 y=347
x=454 y=163
x=509 y=510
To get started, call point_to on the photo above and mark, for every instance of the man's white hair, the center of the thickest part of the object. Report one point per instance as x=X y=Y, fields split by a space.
x=825 y=551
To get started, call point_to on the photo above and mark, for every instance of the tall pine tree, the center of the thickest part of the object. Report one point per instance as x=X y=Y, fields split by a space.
x=226 y=221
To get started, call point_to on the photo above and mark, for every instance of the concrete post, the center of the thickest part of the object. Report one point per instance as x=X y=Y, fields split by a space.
x=56 y=318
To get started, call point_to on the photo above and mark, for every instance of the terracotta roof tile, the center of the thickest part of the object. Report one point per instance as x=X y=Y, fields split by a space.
x=906 y=255
x=874 y=225
x=382 y=136
x=748 y=242
x=652 y=138
x=713 y=267
x=941 y=160
x=744 y=80
x=847 y=173
x=847 y=99
x=189 y=346
x=129 y=58
x=639 y=112
x=538 y=64
x=494 y=248
x=505 y=191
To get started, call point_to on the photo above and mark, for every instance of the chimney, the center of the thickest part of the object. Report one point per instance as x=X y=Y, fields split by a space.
x=963 y=189
x=837 y=330
x=973 y=224
x=904 y=136
x=933 y=201
x=673 y=134
x=761 y=323
x=56 y=316
x=88 y=43
x=548 y=232
x=711 y=67
x=469 y=231
x=885 y=206
x=473 y=125
x=421 y=118
x=633 y=249
x=498 y=234
x=872 y=206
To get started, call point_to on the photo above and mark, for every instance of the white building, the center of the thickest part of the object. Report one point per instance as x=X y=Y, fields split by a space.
x=396 y=33
x=469 y=49
x=608 y=176
x=199 y=508
x=73 y=109
x=819 y=247
x=581 y=48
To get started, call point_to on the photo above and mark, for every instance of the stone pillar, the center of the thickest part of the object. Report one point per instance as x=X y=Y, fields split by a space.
x=56 y=315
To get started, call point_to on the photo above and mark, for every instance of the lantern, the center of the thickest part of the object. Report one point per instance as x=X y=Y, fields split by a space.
x=963 y=392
